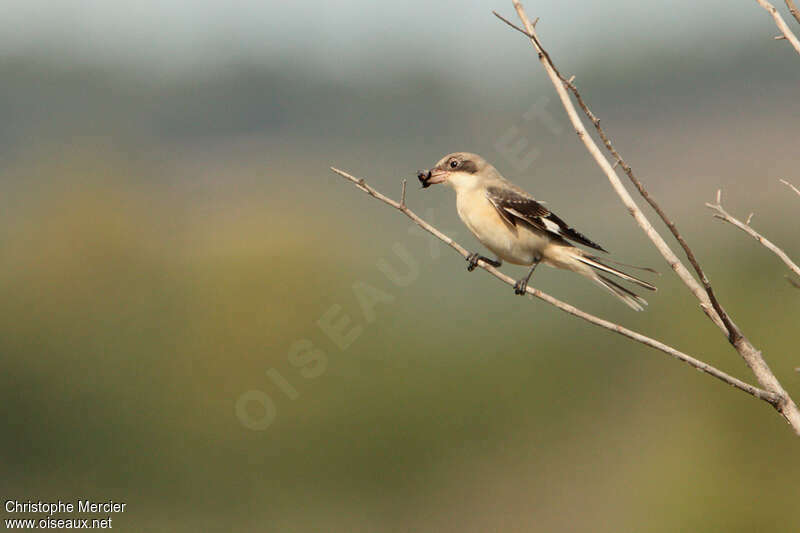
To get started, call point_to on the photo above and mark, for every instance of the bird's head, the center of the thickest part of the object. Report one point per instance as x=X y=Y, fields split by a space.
x=459 y=169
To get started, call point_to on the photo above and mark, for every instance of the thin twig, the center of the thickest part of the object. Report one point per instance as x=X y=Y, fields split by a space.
x=761 y=394
x=403 y=194
x=724 y=215
x=785 y=30
x=795 y=189
x=793 y=10
x=751 y=355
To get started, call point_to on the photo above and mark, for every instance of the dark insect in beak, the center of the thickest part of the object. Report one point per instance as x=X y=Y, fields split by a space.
x=423 y=176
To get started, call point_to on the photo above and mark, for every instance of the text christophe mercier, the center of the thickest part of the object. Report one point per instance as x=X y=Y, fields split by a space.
x=61 y=507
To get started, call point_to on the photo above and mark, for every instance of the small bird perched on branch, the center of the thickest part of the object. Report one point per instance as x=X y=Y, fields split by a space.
x=518 y=229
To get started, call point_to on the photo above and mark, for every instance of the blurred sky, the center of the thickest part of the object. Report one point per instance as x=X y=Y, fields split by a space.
x=346 y=37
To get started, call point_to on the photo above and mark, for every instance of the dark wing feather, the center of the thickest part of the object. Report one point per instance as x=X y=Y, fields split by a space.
x=512 y=206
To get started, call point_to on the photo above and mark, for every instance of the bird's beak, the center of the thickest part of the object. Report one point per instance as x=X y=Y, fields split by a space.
x=431 y=177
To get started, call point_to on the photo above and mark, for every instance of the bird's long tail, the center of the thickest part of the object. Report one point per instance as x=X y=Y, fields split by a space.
x=631 y=299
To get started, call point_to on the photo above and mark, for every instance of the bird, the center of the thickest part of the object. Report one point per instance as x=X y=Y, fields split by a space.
x=520 y=230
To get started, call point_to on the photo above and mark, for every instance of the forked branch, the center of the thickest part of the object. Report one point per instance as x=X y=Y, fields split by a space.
x=786 y=32
x=721 y=214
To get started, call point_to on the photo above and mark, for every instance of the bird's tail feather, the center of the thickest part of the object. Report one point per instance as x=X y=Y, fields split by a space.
x=630 y=299
x=597 y=265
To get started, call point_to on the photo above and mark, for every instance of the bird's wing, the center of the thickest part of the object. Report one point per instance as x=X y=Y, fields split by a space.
x=513 y=206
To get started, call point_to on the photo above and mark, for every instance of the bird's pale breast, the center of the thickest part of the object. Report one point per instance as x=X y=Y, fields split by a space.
x=514 y=244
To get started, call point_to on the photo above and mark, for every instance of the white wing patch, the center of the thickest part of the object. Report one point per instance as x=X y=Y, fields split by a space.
x=552 y=226
x=549 y=225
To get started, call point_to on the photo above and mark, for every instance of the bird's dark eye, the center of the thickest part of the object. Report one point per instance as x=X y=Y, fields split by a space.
x=453 y=163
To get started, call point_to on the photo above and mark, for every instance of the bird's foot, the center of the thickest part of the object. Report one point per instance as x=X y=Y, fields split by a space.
x=474 y=257
x=521 y=286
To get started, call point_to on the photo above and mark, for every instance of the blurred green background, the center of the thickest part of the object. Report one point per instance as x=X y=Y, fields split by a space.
x=169 y=231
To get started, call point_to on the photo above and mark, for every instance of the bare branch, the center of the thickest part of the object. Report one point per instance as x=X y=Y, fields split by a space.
x=795 y=189
x=709 y=304
x=403 y=194
x=793 y=10
x=724 y=215
x=785 y=30
x=772 y=399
